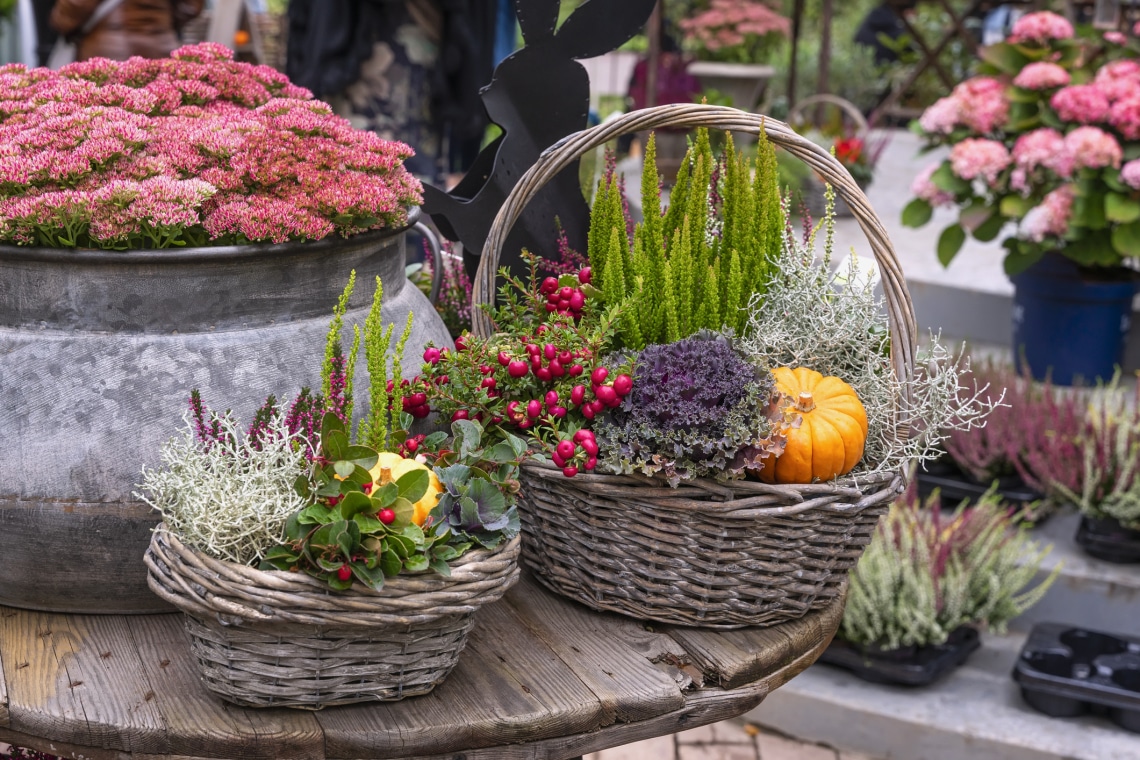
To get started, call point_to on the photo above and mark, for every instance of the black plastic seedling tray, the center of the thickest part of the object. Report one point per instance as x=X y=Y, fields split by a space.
x=1065 y=671
x=1109 y=540
x=914 y=666
x=956 y=487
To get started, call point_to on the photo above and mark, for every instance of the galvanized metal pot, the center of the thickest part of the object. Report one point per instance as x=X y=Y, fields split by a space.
x=98 y=353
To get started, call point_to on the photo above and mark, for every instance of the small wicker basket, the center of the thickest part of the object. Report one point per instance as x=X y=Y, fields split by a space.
x=279 y=639
x=711 y=554
x=815 y=191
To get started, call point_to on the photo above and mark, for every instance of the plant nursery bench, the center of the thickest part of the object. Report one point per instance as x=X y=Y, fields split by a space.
x=541 y=678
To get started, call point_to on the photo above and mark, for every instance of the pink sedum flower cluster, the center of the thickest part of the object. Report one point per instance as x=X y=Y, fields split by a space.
x=1041 y=27
x=733 y=23
x=192 y=149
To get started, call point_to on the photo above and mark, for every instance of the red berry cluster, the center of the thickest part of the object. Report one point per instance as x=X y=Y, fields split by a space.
x=541 y=375
x=565 y=299
x=410 y=446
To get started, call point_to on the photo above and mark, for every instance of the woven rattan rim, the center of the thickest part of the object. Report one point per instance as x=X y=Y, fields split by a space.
x=900 y=311
x=734 y=499
x=235 y=594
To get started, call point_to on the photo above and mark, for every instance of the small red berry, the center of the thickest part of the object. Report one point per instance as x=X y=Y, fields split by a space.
x=565 y=357
x=623 y=384
x=607 y=395
x=431 y=355
x=334 y=500
x=581 y=435
x=461 y=343
x=461 y=414
x=411 y=445
x=549 y=351
x=549 y=285
x=488 y=382
x=584 y=276
x=533 y=408
x=590 y=446
x=366 y=487
x=575 y=370
x=344 y=572
x=533 y=349
x=417 y=399
x=551 y=398
x=386 y=516
x=550 y=307
x=503 y=358
x=518 y=369
x=442 y=380
x=486 y=369
x=556 y=368
x=544 y=374
x=565 y=292
x=565 y=448
x=591 y=463
x=588 y=411
x=577 y=300
x=419 y=412
x=559 y=412
x=569 y=471
x=578 y=392
x=599 y=375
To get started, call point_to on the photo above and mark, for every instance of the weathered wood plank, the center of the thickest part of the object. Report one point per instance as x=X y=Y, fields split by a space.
x=734 y=658
x=594 y=645
x=508 y=686
x=4 y=719
x=63 y=749
x=78 y=679
x=702 y=707
x=201 y=724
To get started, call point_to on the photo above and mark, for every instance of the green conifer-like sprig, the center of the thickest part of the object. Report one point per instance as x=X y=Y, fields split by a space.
x=768 y=212
x=349 y=373
x=332 y=341
x=613 y=287
x=708 y=308
x=374 y=426
x=683 y=267
x=637 y=316
x=734 y=316
x=598 y=236
x=397 y=375
x=672 y=328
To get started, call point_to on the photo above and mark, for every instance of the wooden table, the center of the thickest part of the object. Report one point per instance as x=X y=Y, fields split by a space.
x=541 y=678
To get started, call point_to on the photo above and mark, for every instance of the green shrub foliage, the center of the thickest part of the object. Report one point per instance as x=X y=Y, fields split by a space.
x=699 y=264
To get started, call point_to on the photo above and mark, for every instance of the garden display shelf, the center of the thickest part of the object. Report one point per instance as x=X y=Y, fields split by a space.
x=540 y=677
x=709 y=554
x=99 y=349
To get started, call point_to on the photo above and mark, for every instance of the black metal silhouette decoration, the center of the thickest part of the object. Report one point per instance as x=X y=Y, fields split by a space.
x=537 y=95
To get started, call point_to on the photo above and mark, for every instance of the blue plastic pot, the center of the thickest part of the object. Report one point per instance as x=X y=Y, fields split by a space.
x=1071 y=323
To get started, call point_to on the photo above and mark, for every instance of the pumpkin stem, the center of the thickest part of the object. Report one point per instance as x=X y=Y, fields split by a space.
x=805 y=403
x=385 y=476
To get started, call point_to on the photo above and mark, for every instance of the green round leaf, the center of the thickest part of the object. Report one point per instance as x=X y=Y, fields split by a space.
x=950 y=242
x=917 y=213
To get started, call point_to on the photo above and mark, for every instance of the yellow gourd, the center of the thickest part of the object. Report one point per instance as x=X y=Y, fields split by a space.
x=830 y=439
x=390 y=467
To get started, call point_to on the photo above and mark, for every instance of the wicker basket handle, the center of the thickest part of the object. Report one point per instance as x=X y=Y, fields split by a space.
x=900 y=311
x=846 y=106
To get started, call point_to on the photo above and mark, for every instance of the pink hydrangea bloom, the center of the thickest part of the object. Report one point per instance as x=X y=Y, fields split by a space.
x=139 y=152
x=1125 y=117
x=942 y=116
x=1082 y=103
x=978 y=158
x=923 y=188
x=1116 y=38
x=1051 y=218
x=1043 y=147
x=1093 y=148
x=983 y=104
x=1041 y=27
x=1119 y=80
x=1130 y=174
x=1042 y=76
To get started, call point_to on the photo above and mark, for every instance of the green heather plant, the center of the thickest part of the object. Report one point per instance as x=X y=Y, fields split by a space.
x=1108 y=480
x=698 y=265
x=926 y=573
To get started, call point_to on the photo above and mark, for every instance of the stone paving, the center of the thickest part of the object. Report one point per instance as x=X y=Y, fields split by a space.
x=729 y=740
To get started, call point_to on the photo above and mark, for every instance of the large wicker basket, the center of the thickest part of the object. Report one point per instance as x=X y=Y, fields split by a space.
x=708 y=553
x=279 y=639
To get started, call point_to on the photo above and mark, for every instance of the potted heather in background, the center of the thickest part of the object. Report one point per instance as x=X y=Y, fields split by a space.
x=1045 y=153
x=1106 y=484
x=929 y=582
x=162 y=219
x=1028 y=444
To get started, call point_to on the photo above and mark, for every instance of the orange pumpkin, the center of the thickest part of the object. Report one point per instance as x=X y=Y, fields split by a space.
x=829 y=441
